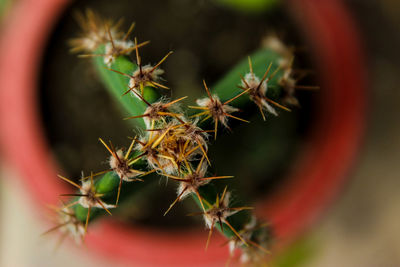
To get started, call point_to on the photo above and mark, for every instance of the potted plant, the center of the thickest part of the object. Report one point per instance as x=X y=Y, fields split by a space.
x=318 y=174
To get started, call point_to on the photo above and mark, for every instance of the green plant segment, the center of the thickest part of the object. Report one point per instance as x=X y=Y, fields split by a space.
x=254 y=6
x=174 y=143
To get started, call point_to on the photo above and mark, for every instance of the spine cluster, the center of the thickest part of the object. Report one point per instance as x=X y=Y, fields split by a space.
x=173 y=143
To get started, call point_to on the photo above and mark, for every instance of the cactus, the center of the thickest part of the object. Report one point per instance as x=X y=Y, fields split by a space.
x=175 y=140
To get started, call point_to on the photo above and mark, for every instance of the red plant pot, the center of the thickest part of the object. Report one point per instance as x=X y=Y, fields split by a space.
x=316 y=177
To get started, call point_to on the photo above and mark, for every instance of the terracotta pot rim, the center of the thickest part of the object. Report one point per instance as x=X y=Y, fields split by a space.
x=332 y=144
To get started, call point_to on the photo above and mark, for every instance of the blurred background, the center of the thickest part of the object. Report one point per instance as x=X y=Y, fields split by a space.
x=360 y=229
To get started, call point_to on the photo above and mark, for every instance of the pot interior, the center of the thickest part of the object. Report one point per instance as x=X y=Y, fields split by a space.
x=207 y=41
